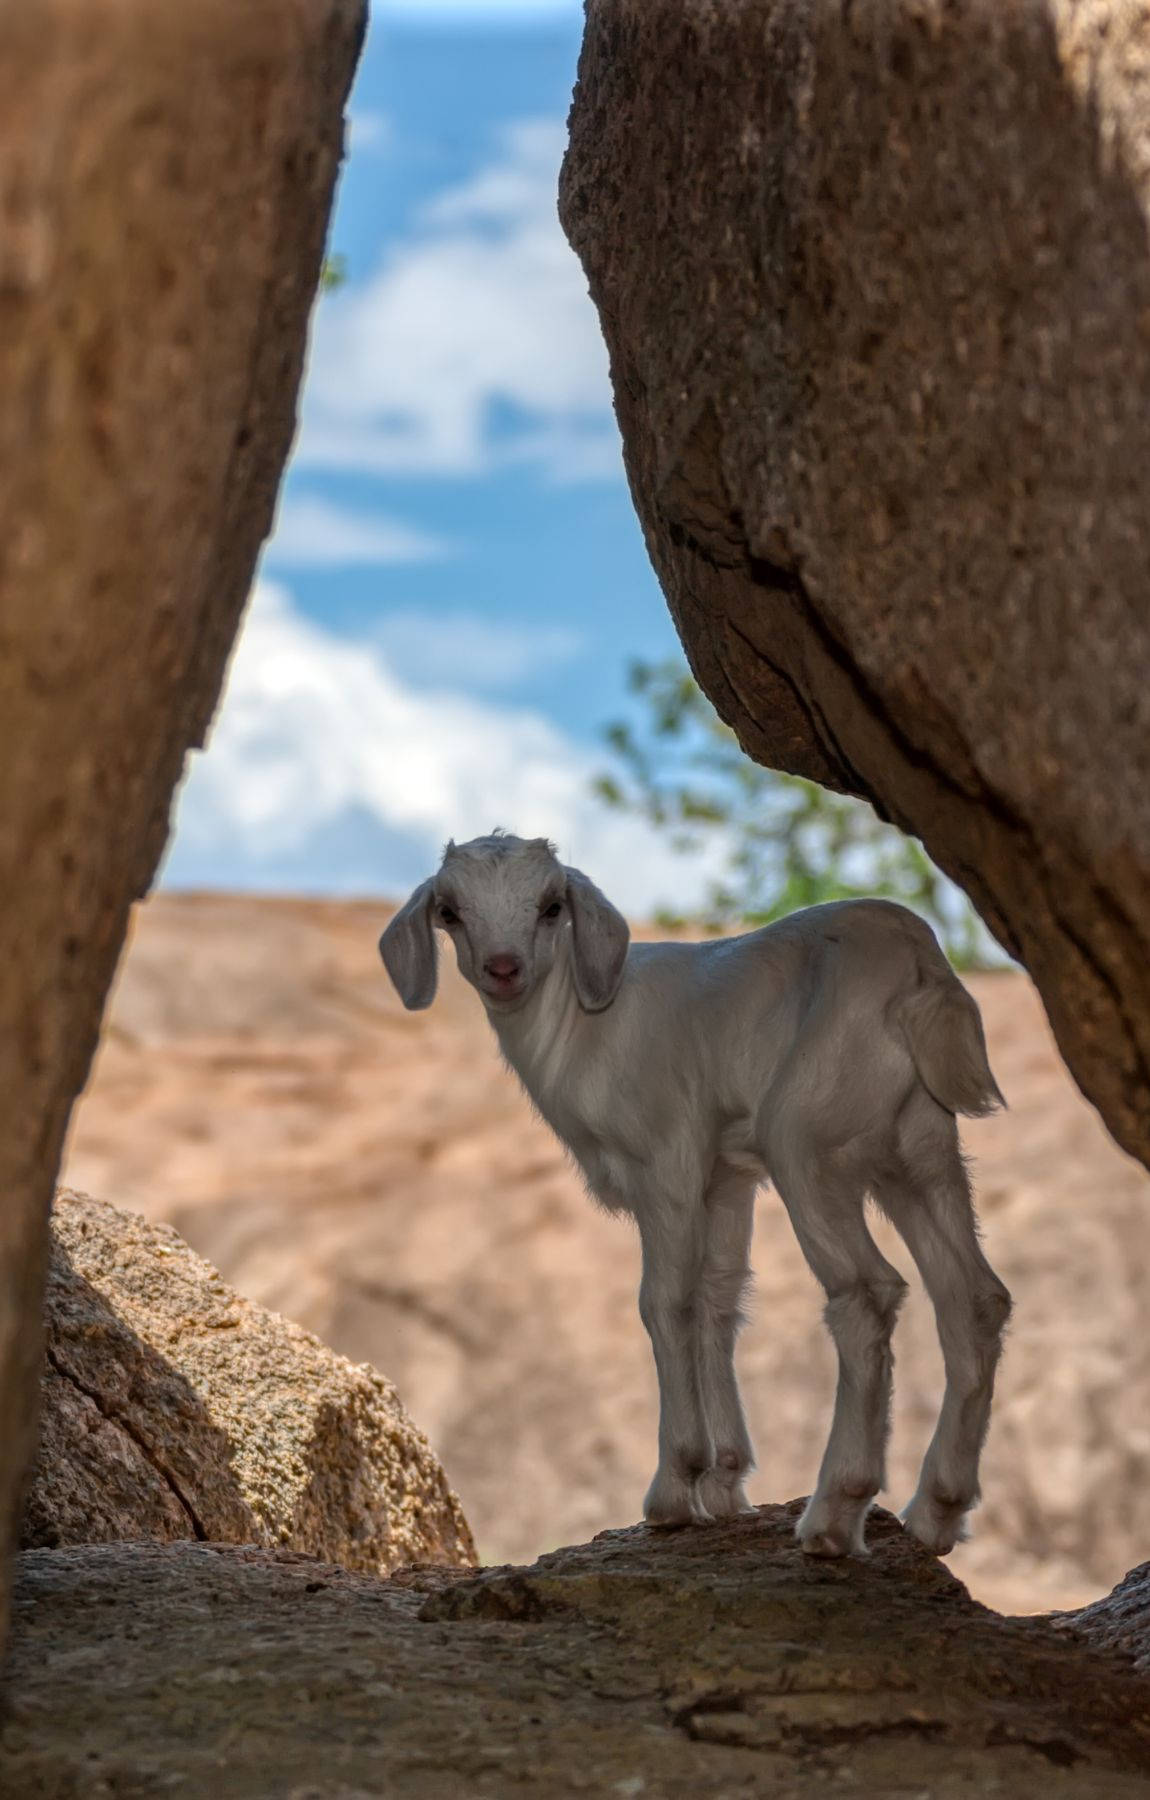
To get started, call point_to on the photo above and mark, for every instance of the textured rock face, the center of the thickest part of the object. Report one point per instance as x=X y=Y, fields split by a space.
x=175 y=1409
x=876 y=286
x=655 y=1666
x=1119 y=1621
x=165 y=180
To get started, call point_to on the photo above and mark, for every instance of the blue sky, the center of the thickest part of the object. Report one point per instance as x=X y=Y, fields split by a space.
x=456 y=583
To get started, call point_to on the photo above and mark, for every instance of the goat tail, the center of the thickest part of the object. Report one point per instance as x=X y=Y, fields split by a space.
x=942 y=1027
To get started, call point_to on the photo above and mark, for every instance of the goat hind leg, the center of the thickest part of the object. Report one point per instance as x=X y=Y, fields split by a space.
x=931 y=1208
x=864 y=1293
x=726 y=1271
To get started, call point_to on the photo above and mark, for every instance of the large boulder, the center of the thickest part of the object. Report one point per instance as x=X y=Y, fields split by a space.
x=173 y=1408
x=166 y=175
x=644 y=1666
x=875 y=281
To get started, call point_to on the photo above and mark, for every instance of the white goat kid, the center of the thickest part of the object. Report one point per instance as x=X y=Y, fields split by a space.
x=828 y=1053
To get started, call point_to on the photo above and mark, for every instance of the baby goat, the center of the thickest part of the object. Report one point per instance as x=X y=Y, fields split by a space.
x=828 y=1053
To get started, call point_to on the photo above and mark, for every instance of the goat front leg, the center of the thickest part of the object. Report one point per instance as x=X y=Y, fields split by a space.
x=730 y=1212
x=673 y=1240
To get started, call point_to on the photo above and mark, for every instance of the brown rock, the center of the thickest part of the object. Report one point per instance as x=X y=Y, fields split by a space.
x=876 y=285
x=165 y=180
x=1119 y=1621
x=175 y=1409
x=644 y=1666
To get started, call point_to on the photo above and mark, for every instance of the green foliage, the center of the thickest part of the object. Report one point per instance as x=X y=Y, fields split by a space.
x=333 y=274
x=786 y=842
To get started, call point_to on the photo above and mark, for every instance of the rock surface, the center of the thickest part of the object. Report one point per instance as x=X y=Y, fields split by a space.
x=1119 y=1621
x=378 y=1176
x=165 y=180
x=645 y=1666
x=875 y=281
x=175 y=1409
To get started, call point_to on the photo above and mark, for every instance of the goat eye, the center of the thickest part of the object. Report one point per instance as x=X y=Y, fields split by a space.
x=448 y=916
x=552 y=911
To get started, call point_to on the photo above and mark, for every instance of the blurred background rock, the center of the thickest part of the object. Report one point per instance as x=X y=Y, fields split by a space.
x=377 y=1177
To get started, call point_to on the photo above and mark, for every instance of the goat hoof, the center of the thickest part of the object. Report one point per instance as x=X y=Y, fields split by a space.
x=828 y=1546
x=721 y=1499
x=937 y=1527
x=832 y=1547
x=677 y=1520
x=671 y=1504
x=829 y=1531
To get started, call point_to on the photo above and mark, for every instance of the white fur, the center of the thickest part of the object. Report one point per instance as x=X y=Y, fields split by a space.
x=829 y=1054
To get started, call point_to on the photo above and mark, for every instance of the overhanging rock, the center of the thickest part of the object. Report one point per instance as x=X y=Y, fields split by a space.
x=875 y=282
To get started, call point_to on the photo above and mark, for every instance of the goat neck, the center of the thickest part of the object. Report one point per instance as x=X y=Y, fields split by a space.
x=537 y=1037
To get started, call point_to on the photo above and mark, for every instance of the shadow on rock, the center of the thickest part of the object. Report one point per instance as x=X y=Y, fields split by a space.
x=174 y=1408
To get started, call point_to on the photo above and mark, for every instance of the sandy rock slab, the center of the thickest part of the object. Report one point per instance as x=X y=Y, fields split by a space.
x=655 y=1665
x=175 y=1409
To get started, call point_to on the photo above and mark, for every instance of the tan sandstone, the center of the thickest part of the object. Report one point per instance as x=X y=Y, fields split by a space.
x=166 y=175
x=173 y=1408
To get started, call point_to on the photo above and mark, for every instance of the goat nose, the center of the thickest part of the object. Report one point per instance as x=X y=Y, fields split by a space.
x=503 y=968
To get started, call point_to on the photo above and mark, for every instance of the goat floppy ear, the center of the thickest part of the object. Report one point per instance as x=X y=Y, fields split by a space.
x=601 y=935
x=409 y=952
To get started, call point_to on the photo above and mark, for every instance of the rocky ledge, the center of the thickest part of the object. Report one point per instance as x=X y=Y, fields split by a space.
x=700 y=1663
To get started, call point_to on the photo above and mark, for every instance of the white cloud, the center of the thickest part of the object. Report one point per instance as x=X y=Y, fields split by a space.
x=458 y=648
x=314 y=533
x=318 y=744
x=475 y=345
x=368 y=131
